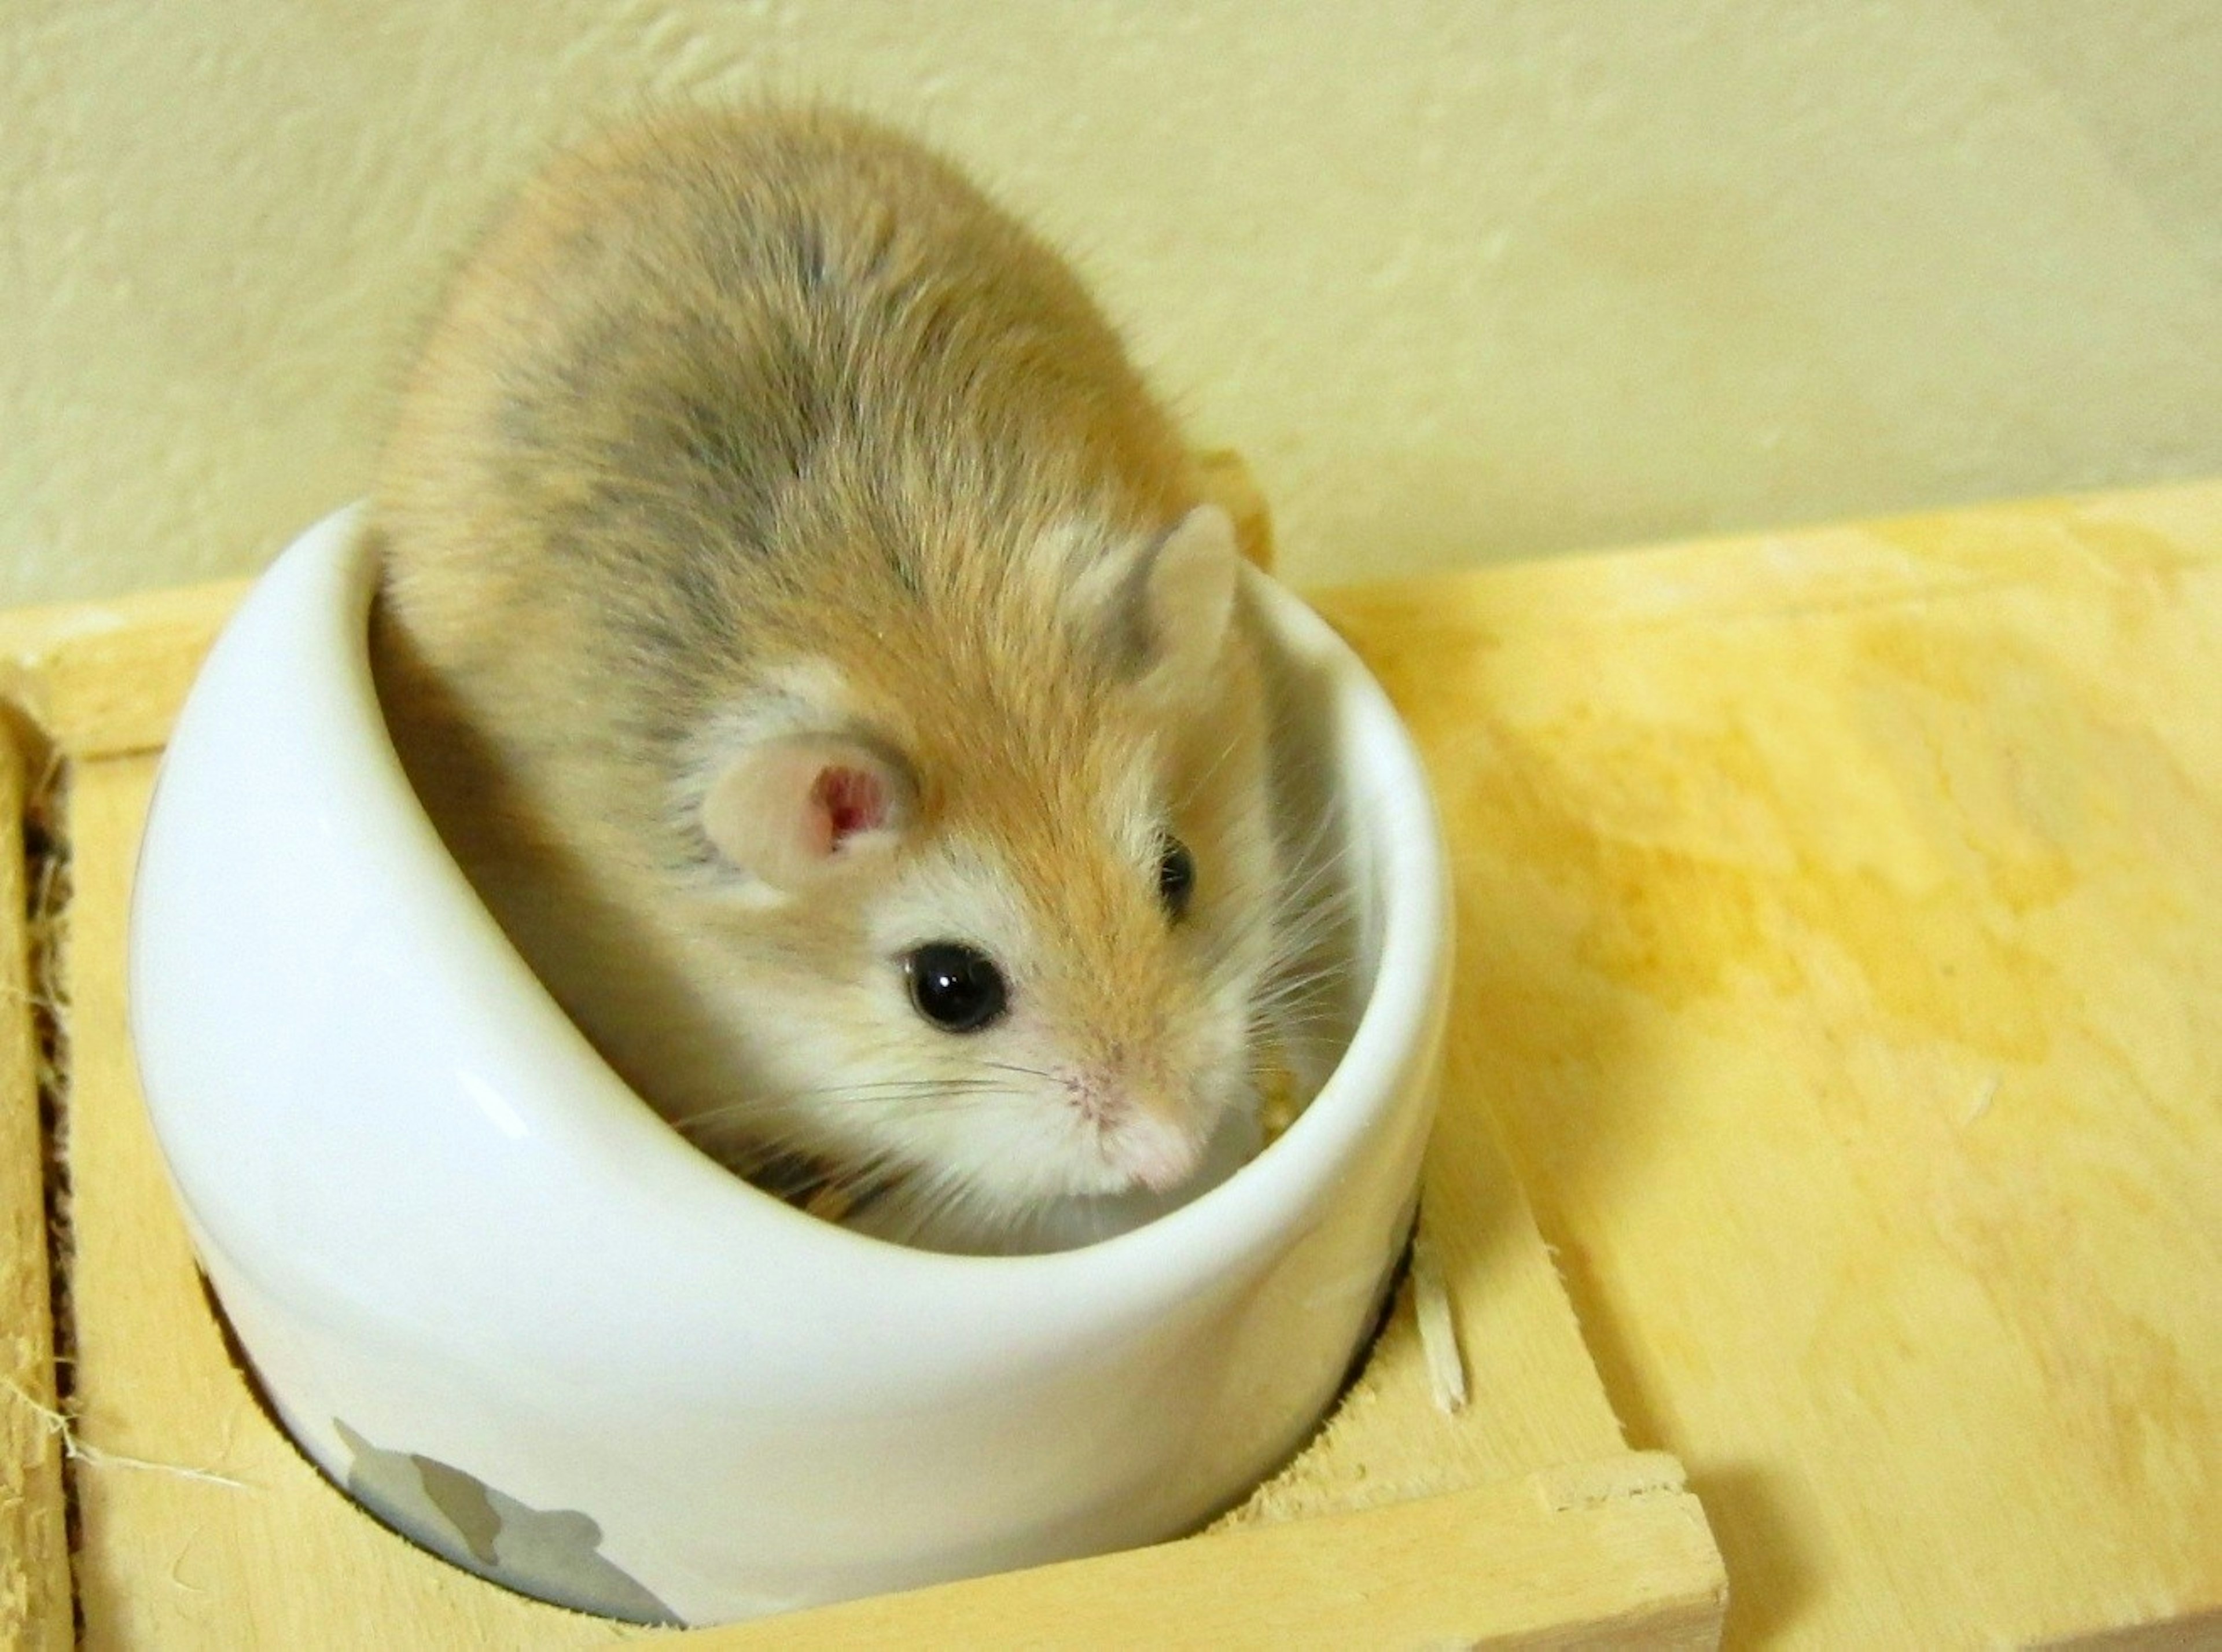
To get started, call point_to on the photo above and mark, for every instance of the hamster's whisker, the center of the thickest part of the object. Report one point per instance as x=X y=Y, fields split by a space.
x=1280 y=1029
x=924 y=1101
x=1307 y=886
x=923 y=1202
x=898 y=1086
x=1029 y=1072
x=1294 y=985
x=1194 y=789
x=1306 y=994
x=712 y=1118
x=1323 y=919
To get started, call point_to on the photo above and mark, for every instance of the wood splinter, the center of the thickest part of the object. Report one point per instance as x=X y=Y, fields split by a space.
x=1431 y=1300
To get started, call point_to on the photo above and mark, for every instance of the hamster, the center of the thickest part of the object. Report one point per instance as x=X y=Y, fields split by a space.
x=816 y=645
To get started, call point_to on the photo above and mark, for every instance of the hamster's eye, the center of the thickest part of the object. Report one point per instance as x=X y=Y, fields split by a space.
x=956 y=987
x=1175 y=877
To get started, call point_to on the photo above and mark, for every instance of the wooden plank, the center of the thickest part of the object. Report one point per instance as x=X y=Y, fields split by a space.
x=153 y=1382
x=2201 y=1632
x=105 y=679
x=1612 y=1555
x=35 y=1574
x=1841 y=960
x=1846 y=914
x=1537 y=1397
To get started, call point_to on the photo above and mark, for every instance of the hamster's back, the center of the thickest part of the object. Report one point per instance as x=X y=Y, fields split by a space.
x=724 y=334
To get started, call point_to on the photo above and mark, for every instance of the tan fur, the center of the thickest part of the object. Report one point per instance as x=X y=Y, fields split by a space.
x=735 y=402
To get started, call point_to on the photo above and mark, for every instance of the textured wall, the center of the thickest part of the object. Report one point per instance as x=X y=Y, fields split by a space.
x=1465 y=280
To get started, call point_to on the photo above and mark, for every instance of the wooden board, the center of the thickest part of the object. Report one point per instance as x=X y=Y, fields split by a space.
x=185 y=1558
x=1845 y=909
x=34 y=1585
x=105 y=679
x=1521 y=1517
x=1841 y=966
x=1568 y=1558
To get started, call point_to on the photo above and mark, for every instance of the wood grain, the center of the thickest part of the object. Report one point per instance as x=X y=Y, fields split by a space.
x=1845 y=909
x=1617 y=1555
x=105 y=679
x=1842 y=967
x=1536 y=1397
x=183 y=1559
x=34 y=1576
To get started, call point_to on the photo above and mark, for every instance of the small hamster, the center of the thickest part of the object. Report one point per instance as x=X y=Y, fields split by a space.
x=816 y=645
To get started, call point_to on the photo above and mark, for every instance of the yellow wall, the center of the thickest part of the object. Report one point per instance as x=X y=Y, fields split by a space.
x=1465 y=280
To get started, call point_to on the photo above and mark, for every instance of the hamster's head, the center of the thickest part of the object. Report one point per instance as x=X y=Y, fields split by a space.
x=995 y=873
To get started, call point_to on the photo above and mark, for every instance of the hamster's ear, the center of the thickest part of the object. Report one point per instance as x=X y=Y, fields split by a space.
x=1187 y=598
x=792 y=809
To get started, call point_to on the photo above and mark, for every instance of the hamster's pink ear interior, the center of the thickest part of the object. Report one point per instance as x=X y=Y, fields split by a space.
x=1189 y=590
x=792 y=809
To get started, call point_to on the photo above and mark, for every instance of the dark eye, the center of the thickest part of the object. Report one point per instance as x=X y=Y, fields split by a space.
x=957 y=988
x=1175 y=877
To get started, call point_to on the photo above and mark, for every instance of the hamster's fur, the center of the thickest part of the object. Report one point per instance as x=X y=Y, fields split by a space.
x=785 y=572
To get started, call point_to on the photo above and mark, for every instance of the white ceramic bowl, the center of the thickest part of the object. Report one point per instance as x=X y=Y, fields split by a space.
x=516 y=1314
